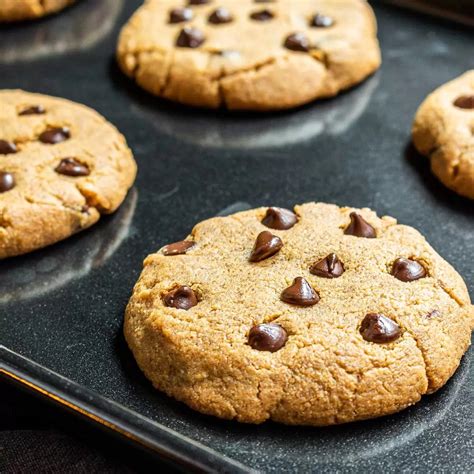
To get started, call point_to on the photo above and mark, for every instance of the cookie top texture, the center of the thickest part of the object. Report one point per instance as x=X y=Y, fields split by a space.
x=18 y=10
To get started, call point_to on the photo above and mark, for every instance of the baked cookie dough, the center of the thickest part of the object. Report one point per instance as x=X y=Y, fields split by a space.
x=62 y=165
x=16 y=10
x=249 y=54
x=444 y=131
x=319 y=316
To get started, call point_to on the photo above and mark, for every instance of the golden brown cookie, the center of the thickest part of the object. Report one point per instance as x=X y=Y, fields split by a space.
x=15 y=10
x=249 y=54
x=319 y=316
x=62 y=165
x=444 y=131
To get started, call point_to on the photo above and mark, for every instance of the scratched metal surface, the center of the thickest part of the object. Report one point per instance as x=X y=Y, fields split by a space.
x=63 y=306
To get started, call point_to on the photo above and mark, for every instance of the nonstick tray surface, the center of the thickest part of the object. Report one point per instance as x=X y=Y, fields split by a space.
x=63 y=307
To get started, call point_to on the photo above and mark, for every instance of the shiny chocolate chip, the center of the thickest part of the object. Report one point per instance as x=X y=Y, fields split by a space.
x=262 y=15
x=297 y=42
x=465 y=102
x=190 y=37
x=178 y=248
x=198 y=2
x=406 y=269
x=7 y=148
x=179 y=15
x=54 y=136
x=33 y=110
x=265 y=246
x=220 y=15
x=433 y=314
x=72 y=167
x=328 y=267
x=279 y=218
x=359 y=227
x=269 y=337
x=7 y=181
x=182 y=297
x=321 y=21
x=378 y=328
x=300 y=293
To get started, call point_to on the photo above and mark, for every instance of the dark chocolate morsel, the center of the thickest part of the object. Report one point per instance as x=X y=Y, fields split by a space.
x=300 y=293
x=55 y=135
x=220 y=15
x=178 y=248
x=262 y=15
x=279 y=218
x=33 y=110
x=465 y=102
x=433 y=314
x=265 y=246
x=190 y=37
x=72 y=167
x=359 y=227
x=267 y=337
x=406 y=269
x=7 y=181
x=179 y=15
x=7 y=148
x=182 y=297
x=198 y=2
x=321 y=21
x=297 y=42
x=328 y=267
x=378 y=328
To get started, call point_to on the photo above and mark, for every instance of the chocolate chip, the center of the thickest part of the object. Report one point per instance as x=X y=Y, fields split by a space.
x=406 y=269
x=220 y=15
x=198 y=2
x=7 y=181
x=465 y=102
x=262 y=15
x=300 y=293
x=7 y=147
x=265 y=246
x=55 y=135
x=328 y=267
x=279 y=218
x=378 y=328
x=269 y=337
x=178 y=15
x=433 y=314
x=178 y=248
x=33 y=110
x=359 y=227
x=297 y=42
x=72 y=167
x=182 y=297
x=190 y=38
x=321 y=21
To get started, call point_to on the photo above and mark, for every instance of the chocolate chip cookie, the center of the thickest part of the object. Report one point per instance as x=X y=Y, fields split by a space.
x=444 y=131
x=314 y=316
x=249 y=54
x=15 y=10
x=62 y=165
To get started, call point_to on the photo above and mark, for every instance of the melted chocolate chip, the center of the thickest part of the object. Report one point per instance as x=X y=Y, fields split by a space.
x=7 y=148
x=33 y=110
x=178 y=248
x=72 y=167
x=297 y=42
x=279 y=218
x=300 y=293
x=190 y=38
x=198 y=2
x=328 y=267
x=265 y=246
x=182 y=297
x=406 y=269
x=220 y=15
x=378 y=328
x=269 y=337
x=321 y=21
x=262 y=15
x=178 y=15
x=7 y=181
x=54 y=136
x=359 y=227
x=433 y=314
x=465 y=102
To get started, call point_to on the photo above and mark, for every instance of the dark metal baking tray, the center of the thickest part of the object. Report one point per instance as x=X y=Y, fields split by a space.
x=62 y=307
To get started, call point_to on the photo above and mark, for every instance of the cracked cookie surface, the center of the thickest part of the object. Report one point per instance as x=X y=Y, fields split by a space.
x=444 y=131
x=324 y=316
x=247 y=54
x=62 y=165
x=17 y=10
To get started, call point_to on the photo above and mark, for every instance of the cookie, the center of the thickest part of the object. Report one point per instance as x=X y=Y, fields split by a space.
x=319 y=316
x=444 y=131
x=62 y=165
x=16 y=10
x=249 y=54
